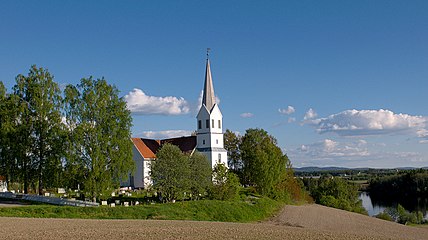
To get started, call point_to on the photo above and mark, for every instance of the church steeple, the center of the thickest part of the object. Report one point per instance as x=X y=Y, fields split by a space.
x=209 y=134
x=208 y=98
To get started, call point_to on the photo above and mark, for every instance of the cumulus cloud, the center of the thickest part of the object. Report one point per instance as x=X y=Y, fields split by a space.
x=310 y=114
x=287 y=111
x=140 y=103
x=291 y=119
x=328 y=149
x=357 y=153
x=422 y=133
x=370 y=122
x=246 y=115
x=164 y=134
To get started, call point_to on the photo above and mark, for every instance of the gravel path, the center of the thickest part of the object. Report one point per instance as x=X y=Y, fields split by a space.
x=294 y=222
x=320 y=218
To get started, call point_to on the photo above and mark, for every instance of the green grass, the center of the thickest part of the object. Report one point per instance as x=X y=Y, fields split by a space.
x=203 y=210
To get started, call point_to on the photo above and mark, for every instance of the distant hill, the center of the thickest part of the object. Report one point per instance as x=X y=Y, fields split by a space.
x=319 y=169
x=330 y=169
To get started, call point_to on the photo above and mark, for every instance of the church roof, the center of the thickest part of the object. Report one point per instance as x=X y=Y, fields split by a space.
x=149 y=147
x=186 y=144
x=146 y=147
x=208 y=98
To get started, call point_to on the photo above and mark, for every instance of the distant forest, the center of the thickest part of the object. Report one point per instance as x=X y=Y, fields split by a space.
x=408 y=188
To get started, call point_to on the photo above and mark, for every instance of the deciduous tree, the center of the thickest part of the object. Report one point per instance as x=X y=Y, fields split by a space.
x=264 y=164
x=40 y=122
x=200 y=174
x=225 y=183
x=232 y=142
x=170 y=172
x=99 y=146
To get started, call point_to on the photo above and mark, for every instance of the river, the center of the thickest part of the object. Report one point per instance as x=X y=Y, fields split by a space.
x=374 y=208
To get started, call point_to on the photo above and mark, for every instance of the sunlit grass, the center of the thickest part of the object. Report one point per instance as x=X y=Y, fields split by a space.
x=203 y=210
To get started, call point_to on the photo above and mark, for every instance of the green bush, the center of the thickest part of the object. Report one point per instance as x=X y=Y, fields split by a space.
x=385 y=216
x=335 y=192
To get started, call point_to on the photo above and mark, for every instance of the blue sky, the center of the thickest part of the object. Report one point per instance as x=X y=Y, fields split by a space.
x=361 y=66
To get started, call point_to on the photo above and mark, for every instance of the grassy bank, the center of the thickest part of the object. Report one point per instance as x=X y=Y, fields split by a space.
x=204 y=210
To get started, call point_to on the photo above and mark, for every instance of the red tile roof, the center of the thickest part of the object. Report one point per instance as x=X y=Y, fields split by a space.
x=149 y=147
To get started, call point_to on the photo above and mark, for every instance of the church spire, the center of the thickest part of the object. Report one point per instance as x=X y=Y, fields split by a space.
x=208 y=98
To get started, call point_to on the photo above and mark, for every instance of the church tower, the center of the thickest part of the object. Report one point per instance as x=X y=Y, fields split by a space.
x=209 y=134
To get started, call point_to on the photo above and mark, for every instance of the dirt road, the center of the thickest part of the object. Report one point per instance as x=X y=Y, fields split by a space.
x=294 y=222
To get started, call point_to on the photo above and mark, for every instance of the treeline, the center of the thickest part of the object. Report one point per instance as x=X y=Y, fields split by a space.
x=75 y=138
x=335 y=192
x=407 y=187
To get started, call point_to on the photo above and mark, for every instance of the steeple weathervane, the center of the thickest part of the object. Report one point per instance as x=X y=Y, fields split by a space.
x=208 y=53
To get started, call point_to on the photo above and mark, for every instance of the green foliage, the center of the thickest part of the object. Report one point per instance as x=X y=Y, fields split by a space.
x=204 y=210
x=32 y=132
x=226 y=184
x=401 y=215
x=170 y=173
x=385 y=216
x=264 y=164
x=260 y=163
x=99 y=146
x=335 y=192
x=403 y=187
x=176 y=174
x=200 y=175
x=231 y=143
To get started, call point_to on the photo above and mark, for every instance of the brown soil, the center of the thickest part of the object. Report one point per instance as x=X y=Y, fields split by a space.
x=294 y=222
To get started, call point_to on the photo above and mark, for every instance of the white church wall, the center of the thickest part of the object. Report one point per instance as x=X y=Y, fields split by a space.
x=138 y=174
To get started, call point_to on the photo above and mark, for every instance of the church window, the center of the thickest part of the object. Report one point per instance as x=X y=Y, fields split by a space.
x=203 y=142
x=216 y=141
x=219 y=123
x=207 y=123
x=219 y=157
x=199 y=124
x=212 y=123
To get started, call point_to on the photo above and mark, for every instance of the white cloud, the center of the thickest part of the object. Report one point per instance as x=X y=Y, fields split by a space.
x=140 y=103
x=357 y=153
x=422 y=133
x=330 y=149
x=246 y=115
x=310 y=114
x=423 y=141
x=370 y=122
x=291 y=119
x=287 y=111
x=164 y=134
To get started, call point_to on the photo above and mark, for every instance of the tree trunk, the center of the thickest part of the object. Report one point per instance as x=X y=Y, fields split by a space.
x=25 y=184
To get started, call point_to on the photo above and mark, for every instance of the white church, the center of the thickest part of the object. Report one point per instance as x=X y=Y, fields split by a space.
x=208 y=139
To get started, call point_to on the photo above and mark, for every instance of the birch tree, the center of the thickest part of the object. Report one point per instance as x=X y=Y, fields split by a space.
x=99 y=145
